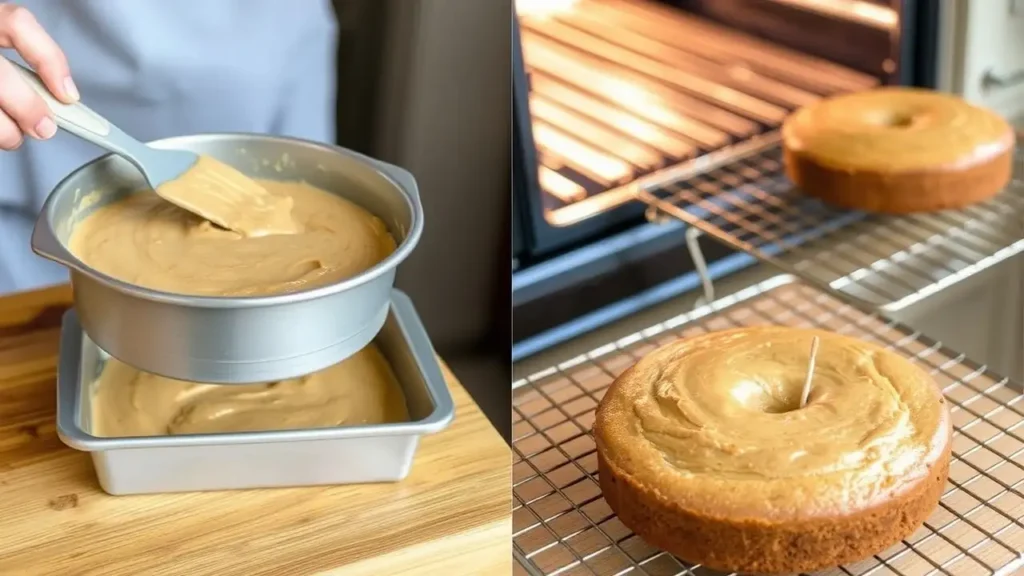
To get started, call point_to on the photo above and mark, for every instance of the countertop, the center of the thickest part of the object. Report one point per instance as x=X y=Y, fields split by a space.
x=452 y=515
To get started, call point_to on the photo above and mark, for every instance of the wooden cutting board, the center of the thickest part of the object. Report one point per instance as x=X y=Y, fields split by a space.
x=452 y=515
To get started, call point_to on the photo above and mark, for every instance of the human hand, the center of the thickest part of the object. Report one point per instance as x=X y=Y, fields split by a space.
x=22 y=111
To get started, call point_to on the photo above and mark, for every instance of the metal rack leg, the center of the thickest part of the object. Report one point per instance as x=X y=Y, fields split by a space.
x=656 y=216
x=700 y=264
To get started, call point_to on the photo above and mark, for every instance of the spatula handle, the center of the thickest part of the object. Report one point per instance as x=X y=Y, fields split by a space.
x=75 y=118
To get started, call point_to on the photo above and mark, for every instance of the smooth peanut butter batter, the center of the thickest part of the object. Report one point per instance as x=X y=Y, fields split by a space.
x=720 y=415
x=360 y=390
x=147 y=241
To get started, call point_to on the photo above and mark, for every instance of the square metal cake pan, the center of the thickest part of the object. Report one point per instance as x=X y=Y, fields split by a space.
x=340 y=455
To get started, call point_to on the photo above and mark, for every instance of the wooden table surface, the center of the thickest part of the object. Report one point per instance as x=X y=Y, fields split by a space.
x=452 y=515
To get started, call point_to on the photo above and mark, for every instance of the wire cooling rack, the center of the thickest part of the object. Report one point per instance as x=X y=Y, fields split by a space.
x=563 y=526
x=888 y=262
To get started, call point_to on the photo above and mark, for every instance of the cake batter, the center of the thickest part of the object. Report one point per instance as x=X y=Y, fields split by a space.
x=147 y=241
x=360 y=390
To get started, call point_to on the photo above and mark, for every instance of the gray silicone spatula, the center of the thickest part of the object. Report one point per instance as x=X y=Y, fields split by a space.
x=227 y=198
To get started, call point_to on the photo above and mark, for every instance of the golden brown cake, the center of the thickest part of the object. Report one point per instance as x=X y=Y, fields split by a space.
x=704 y=451
x=897 y=151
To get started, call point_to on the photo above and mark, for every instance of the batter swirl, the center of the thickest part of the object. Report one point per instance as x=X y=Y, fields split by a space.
x=730 y=407
x=146 y=241
x=360 y=390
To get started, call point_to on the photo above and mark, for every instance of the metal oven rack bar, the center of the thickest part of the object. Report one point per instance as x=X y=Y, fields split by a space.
x=563 y=526
x=886 y=262
x=621 y=92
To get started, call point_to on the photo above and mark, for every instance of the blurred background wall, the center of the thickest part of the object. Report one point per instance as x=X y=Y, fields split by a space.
x=425 y=84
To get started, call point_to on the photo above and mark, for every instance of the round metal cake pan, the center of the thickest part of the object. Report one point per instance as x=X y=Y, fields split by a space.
x=234 y=340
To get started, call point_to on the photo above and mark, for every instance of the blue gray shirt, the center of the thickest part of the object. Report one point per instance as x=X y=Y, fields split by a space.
x=160 y=69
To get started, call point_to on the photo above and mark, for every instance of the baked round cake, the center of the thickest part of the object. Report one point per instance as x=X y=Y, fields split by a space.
x=898 y=150
x=703 y=449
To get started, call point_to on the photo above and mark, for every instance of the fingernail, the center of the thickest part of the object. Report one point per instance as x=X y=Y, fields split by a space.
x=45 y=129
x=70 y=89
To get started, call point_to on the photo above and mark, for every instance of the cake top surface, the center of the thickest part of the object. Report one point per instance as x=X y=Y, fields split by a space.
x=714 y=424
x=897 y=129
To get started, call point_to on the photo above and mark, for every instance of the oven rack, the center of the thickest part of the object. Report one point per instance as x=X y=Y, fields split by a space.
x=563 y=526
x=624 y=94
x=885 y=262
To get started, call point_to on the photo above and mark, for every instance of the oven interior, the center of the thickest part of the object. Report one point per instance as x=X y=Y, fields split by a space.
x=611 y=96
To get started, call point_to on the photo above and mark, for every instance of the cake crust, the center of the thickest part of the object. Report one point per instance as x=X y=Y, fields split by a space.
x=899 y=192
x=706 y=515
x=765 y=547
